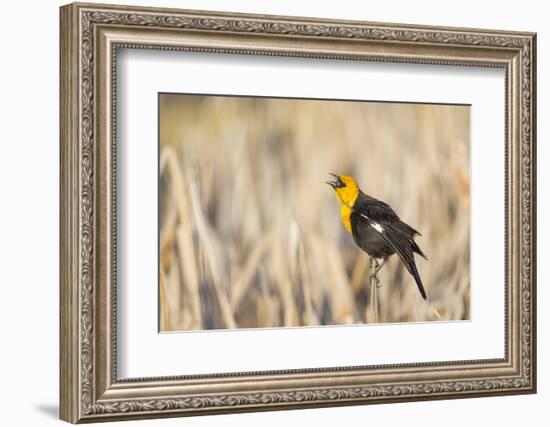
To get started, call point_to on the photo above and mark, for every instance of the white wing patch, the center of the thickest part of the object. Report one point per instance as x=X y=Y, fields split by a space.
x=373 y=224
x=377 y=227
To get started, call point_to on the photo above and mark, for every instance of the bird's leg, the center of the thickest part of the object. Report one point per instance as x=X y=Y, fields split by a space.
x=373 y=264
x=373 y=280
x=373 y=277
x=380 y=268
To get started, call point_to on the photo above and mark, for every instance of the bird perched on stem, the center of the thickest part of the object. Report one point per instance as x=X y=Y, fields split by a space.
x=376 y=228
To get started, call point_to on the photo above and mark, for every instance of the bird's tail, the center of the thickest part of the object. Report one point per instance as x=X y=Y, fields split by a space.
x=416 y=276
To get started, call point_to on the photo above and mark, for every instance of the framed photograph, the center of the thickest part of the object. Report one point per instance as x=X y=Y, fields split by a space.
x=265 y=212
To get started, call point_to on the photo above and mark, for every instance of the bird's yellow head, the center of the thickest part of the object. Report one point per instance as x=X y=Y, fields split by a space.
x=346 y=189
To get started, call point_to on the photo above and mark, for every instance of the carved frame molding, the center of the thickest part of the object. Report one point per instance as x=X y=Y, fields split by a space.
x=90 y=37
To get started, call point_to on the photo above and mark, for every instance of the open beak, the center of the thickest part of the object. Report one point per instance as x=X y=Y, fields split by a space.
x=334 y=184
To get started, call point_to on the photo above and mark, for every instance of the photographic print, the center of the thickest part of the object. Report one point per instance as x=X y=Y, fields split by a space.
x=280 y=212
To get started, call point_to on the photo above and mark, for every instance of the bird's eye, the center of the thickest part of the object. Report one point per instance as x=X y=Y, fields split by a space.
x=341 y=183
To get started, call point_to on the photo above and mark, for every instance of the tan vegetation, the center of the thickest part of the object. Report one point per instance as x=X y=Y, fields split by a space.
x=250 y=235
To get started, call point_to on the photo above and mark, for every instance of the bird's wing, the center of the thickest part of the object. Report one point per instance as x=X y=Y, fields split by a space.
x=401 y=243
x=381 y=212
x=377 y=210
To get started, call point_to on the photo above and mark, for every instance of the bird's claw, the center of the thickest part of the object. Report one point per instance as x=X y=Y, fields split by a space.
x=377 y=267
x=374 y=278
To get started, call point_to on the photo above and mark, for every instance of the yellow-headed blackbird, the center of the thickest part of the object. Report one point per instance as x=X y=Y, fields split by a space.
x=376 y=228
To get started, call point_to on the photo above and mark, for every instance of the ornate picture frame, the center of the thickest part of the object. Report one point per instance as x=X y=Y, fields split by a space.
x=90 y=37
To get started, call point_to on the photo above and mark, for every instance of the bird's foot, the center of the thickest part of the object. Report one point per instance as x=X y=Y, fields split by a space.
x=377 y=267
x=374 y=278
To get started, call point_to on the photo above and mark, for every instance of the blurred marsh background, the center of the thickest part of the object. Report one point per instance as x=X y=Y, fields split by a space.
x=251 y=236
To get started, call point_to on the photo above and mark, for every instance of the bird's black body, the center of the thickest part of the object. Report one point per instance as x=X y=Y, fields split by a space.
x=378 y=230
